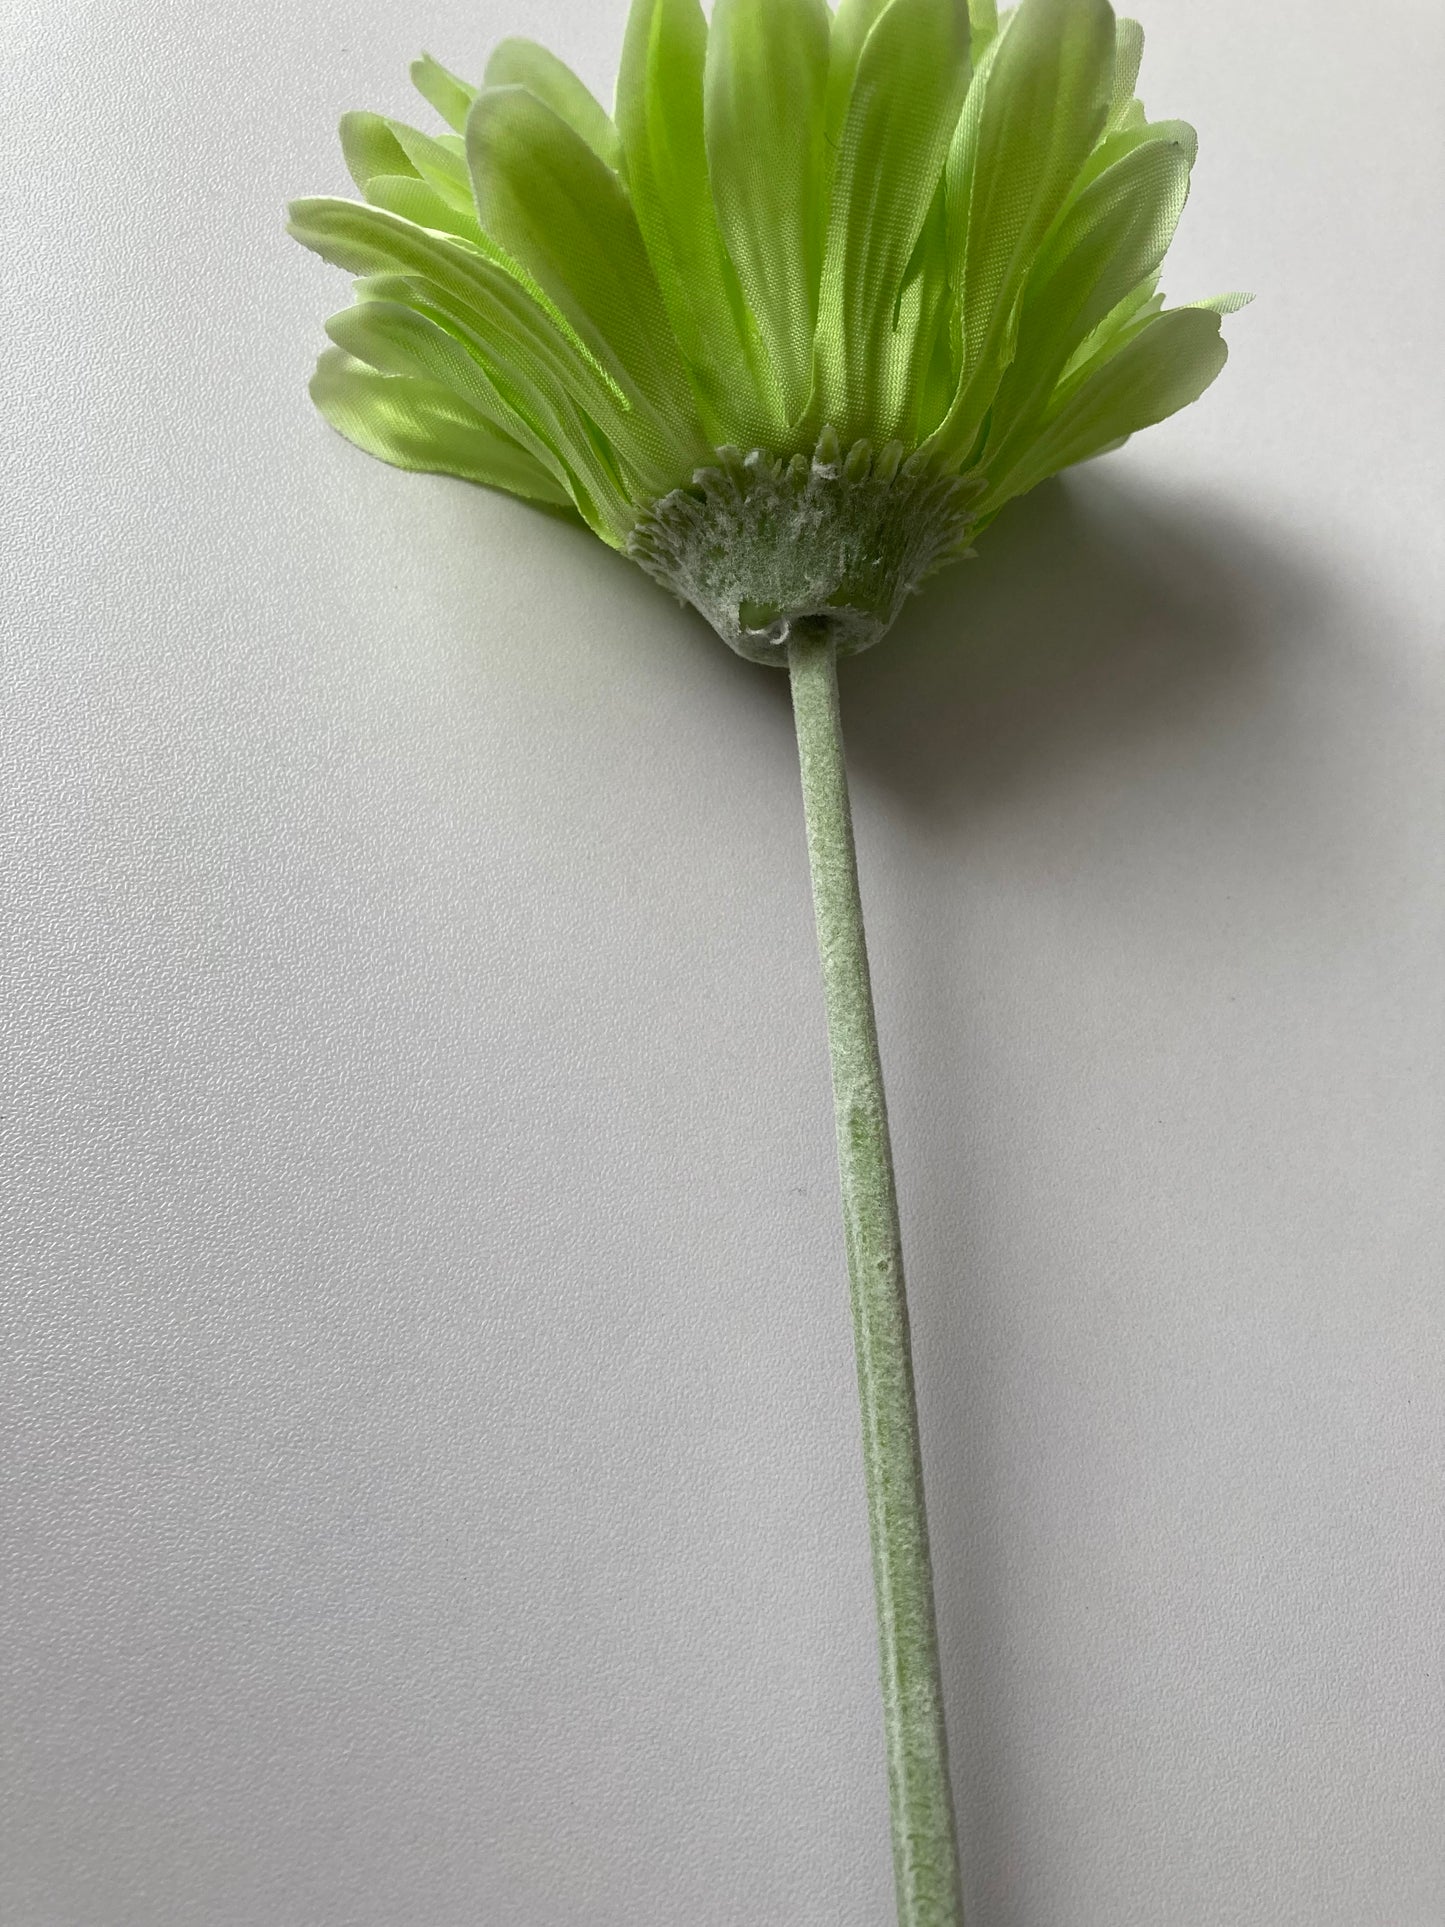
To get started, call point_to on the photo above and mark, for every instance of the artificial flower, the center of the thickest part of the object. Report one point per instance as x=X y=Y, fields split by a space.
x=788 y=328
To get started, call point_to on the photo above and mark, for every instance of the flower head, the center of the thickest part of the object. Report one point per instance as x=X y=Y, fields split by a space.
x=822 y=295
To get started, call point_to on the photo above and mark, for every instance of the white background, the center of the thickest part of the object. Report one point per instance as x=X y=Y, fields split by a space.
x=434 y=1480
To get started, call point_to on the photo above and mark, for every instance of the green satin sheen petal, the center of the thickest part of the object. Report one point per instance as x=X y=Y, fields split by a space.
x=418 y=201
x=1122 y=321
x=552 y=205
x=1128 y=53
x=376 y=148
x=452 y=98
x=1042 y=106
x=535 y=405
x=421 y=425
x=982 y=24
x=922 y=324
x=660 y=118
x=765 y=87
x=522 y=63
x=395 y=339
x=853 y=21
x=369 y=241
x=442 y=164
x=1124 y=140
x=1109 y=240
x=369 y=147
x=333 y=230
x=907 y=91
x=1166 y=365
x=1223 y=304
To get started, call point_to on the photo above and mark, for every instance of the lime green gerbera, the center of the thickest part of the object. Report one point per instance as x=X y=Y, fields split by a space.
x=788 y=329
x=822 y=296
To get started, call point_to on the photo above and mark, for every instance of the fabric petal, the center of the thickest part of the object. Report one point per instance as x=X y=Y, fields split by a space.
x=853 y=21
x=394 y=339
x=523 y=63
x=1124 y=140
x=534 y=400
x=765 y=81
x=1161 y=369
x=452 y=98
x=1223 y=304
x=546 y=199
x=421 y=425
x=1108 y=241
x=982 y=24
x=1041 y=108
x=369 y=148
x=660 y=119
x=369 y=241
x=418 y=201
x=441 y=163
x=1128 y=53
x=907 y=91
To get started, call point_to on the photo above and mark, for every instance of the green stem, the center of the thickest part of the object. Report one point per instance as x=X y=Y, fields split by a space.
x=925 y=1851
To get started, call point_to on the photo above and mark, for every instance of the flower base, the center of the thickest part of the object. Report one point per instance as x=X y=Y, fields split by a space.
x=763 y=545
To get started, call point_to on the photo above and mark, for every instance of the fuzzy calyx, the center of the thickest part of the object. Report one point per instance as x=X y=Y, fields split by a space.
x=762 y=544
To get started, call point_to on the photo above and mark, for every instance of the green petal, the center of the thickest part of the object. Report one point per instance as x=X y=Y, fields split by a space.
x=552 y=205
x=1110 y=239
x=660 y=119
x=421 y=425
x=1222 y=304
x=394 y=339
x=982 y=24
x=1122 y=321
x=451 y=210
x=1041 y=108
x=1161 y=369
x=370 y=241
x=418 y=201
x=853 y=21
x=379 y=149
x=441 y=163
x=370 y=148
x=1124 y=140
x=766 y=83
x=1128 y=53
x=452 y=98
x=522 y=63
x=922 y=324
x=907 y=92
x=390 y=331
x=535 y=401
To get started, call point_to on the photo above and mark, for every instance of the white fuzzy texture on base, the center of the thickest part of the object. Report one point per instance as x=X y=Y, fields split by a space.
x=761 y=544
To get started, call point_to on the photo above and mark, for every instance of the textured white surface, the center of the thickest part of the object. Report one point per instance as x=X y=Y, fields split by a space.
x=432 y=1473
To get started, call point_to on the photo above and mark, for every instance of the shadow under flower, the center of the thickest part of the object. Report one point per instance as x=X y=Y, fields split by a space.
x=1095 y=628
x=1089 y=614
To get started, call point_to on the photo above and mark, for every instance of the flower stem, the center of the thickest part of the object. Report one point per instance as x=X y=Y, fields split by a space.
x=925 y=1851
